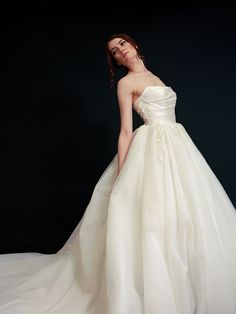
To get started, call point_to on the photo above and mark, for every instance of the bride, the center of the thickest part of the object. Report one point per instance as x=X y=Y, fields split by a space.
x=159 y=233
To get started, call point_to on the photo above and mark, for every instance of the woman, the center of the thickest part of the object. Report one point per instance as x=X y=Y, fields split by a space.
x=157 y=238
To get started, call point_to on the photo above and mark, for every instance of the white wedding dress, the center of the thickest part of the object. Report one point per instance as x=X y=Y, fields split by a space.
x=158 y=239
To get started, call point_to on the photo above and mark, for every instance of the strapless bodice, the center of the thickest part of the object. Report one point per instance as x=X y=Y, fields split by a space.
x=156 y=104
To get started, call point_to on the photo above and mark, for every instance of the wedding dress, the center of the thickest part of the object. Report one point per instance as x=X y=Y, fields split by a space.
x=160 y=238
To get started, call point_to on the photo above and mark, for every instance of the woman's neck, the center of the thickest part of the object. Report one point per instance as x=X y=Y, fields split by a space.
x=137 y=66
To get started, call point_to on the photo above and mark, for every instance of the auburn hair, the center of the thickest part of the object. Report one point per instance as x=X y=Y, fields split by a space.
x=110 y=59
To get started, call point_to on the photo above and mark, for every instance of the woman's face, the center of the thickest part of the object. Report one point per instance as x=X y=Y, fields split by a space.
x=122 y=51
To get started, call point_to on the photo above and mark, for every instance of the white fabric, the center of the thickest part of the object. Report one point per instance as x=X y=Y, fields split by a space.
x=158 y=239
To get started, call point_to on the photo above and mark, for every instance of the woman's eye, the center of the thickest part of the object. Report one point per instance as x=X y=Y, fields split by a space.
x=114 y=52
x=123 y=42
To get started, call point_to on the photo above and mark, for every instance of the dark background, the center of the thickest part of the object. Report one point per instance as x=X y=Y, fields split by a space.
x=60 y=118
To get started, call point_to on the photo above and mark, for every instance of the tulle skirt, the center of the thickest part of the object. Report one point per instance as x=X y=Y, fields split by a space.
x=158 y=239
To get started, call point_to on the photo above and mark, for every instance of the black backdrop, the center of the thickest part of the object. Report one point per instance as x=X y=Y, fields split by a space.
x=60 y=119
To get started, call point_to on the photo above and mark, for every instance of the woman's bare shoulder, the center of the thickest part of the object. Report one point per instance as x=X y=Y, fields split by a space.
x=125 y=83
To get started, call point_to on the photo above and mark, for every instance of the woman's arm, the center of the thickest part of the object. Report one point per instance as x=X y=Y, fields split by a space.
x=123 y=147
x=124 y=93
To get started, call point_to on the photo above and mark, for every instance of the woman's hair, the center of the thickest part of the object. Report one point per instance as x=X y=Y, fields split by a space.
x=110 y=59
